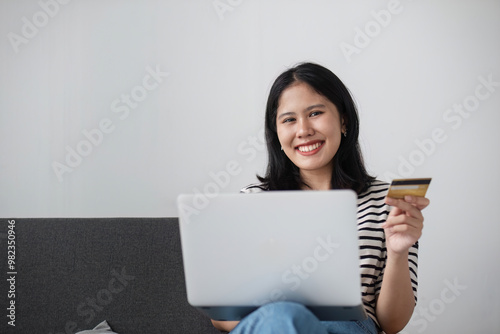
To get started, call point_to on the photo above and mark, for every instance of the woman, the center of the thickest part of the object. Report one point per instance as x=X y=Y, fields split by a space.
x=312 y=140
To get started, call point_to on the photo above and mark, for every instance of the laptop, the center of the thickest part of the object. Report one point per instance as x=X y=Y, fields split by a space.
x=241 y=251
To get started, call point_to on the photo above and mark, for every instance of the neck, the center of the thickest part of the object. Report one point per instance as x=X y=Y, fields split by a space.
x=317 y=180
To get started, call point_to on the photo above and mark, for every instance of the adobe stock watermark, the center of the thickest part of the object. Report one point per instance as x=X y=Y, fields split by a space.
x=247 y=149
x=372 y=29
x=31 y=27
x=89 y=308
x=453 y=117
x=222 y=7
x=425 y=314
x=122 y=107
x=293 y=277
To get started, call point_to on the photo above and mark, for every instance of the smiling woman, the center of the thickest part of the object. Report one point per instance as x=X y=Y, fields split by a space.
x=312 y=140
x=308 y=110
x=309 y=129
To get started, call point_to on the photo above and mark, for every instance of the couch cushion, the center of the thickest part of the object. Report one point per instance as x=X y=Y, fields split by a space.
x=74 y=273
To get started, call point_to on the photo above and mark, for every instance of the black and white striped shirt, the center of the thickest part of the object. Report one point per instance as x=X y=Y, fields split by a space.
x=372 y=213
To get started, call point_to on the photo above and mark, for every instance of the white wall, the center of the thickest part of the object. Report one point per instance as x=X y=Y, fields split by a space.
x=65 y=66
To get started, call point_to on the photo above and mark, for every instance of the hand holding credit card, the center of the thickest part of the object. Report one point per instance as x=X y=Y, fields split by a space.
x=399 y=188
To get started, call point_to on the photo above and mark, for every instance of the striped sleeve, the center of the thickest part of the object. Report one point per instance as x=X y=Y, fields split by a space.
x=372 y=213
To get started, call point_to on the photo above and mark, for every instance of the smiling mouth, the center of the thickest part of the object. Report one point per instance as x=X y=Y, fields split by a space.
x=309 y=148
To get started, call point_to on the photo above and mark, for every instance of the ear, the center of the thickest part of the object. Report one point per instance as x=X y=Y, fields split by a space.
x=344 y=125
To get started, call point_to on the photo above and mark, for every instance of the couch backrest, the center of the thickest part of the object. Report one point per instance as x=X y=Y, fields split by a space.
x=71 y=274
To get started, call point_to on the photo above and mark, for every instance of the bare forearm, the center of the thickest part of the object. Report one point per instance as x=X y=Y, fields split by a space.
x=396 y=300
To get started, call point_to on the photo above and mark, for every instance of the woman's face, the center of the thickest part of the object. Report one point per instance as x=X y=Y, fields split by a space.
x=309 y=128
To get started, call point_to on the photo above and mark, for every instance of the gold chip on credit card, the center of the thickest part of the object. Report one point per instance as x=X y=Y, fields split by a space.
x=414 y=187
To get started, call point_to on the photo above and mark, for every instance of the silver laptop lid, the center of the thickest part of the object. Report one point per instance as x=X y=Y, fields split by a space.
x=250 y=249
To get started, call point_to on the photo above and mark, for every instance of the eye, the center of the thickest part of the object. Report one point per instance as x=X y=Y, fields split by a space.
x=315 y=113
x=288 y=120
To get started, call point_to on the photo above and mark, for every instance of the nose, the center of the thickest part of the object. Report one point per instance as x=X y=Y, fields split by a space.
x=304 y=128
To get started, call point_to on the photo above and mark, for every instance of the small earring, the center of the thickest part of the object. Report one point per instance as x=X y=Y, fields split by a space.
x=345 y=133
x=282 y=148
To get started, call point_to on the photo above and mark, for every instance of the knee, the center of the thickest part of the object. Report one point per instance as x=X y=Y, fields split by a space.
x=282 y=317
x=285 y=309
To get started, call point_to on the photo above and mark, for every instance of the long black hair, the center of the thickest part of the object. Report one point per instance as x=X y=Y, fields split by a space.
x=349 y=171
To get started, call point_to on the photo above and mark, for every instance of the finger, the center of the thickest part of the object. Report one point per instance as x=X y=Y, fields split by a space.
x=419 y=202
x=403 y=220
x=405 y=228
x=404 y=206
x=412 y=232
x=393 y=210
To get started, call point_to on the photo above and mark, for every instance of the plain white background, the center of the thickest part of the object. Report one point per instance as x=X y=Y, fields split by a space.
x=417 y=70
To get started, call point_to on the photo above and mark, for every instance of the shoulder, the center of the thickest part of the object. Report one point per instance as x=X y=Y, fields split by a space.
x=372 y=202
x=254 y=188
x=376 y=189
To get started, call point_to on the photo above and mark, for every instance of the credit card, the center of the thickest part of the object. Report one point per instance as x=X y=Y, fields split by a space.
x=414 y=187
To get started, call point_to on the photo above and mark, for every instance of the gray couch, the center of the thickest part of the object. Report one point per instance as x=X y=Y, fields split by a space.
x=74 y=273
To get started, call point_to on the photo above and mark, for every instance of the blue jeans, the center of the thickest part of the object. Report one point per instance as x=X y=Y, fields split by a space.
x=293 y=318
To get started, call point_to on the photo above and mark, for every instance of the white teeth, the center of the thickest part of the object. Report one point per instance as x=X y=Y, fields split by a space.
x=309 y=148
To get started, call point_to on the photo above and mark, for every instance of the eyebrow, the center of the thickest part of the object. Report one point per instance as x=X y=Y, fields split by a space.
x=291 y=113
